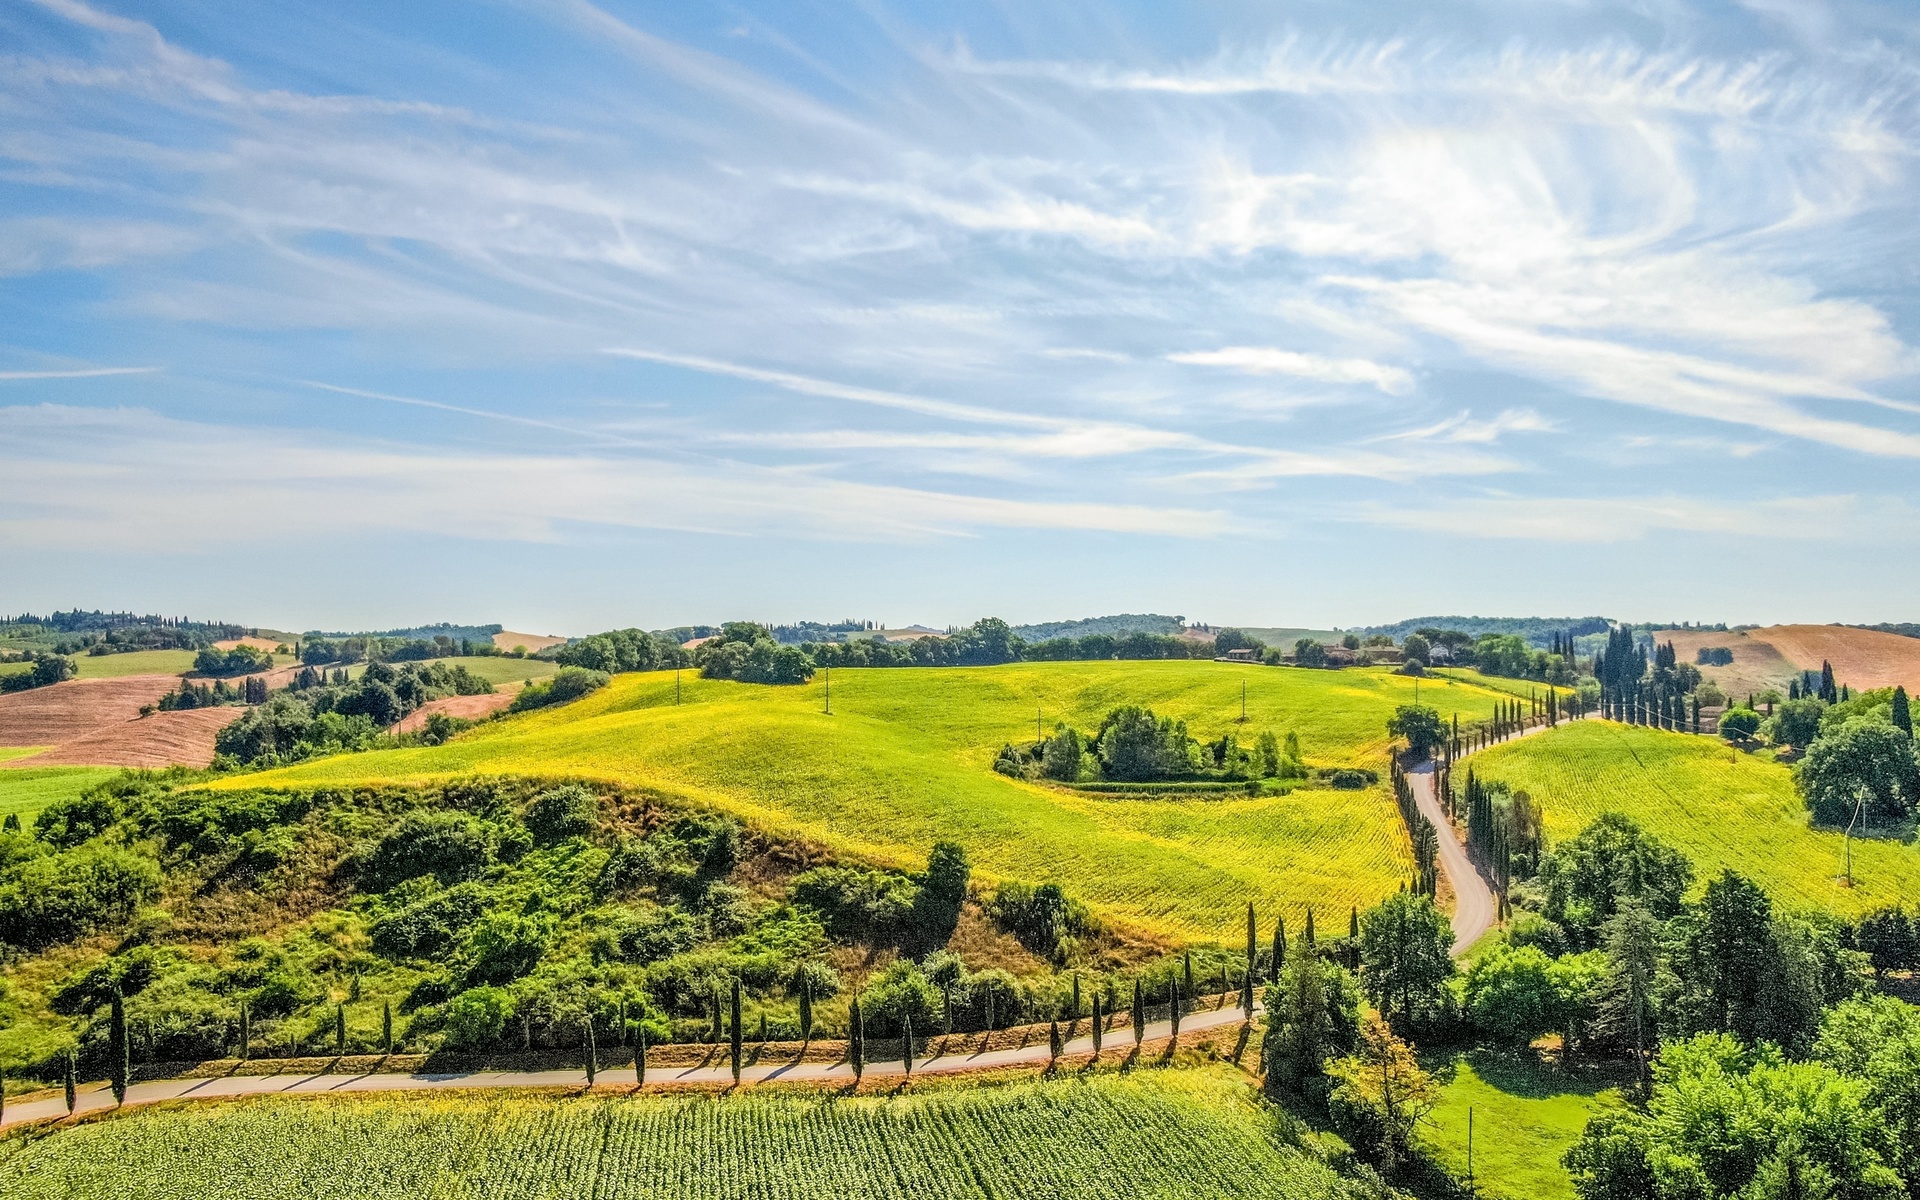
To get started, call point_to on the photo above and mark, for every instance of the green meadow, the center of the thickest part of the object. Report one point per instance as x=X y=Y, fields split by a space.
x=906 y=758
x=27 y=790
x=1525 y=1116
x=1723 y=807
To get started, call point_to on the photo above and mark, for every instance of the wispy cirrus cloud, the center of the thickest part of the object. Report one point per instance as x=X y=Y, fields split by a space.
x=1265 y=360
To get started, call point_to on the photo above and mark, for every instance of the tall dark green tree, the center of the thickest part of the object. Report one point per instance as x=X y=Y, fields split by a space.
x=1279 y=950
x=246 y=1032
x=640 y=1055
x=1901 y=714
x=1139 y=1011
x=119 y=1055
x=1053 y=1041
x=1253 y=942
x=906 y=1043
x=856 y=1040
x=733 y=1032
x=1307 y=934
x=806 y=1008
x=943 y=890
x=70 y=1077
x=1731 y=955
x=1099 y=1024
x=1624 y=1006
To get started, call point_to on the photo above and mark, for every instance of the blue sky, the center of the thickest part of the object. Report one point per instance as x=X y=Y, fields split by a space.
x=570 y=315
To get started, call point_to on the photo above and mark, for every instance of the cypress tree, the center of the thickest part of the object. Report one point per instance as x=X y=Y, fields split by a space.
x=1309 y=933
x=640 y=1054
x=856 y=1041
x=1075 y=1014
x=1186 y=973
x=246 y=1032
x=946 y=1010
x=1053 y=1042
x=73 y=1084
x=1096 y=1023
x=1353 y=938
x=1174 y=1005
x=806 y=1009
x=593 y=1053
x=906 y=1044
x=1246 y=994
x=386 y=1028
x=1253 y=941
x=1139 y=1012
x=120 y=1063
x=733 y=1044
x=1902 y=714
x=1279 y=949
x=340 y=1028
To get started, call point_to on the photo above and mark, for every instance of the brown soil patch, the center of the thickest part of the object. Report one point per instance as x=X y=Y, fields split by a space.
x=534 y=642
x=1757 y=663
x=97 y=723
x=161 y=740
x=1862 y=658
x=471 y=708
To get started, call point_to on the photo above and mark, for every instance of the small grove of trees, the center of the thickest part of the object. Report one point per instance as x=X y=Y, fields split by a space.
x=241 y=660
x=566 y=685
x=314 y=718
x=1133 y=745
x=47 y=669
x=746 y=652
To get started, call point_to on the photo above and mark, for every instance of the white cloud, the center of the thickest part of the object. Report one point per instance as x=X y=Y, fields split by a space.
x=1265 y=360
x=79 y=373
x=1630 y=518
x=1462 y=428
x=129 y=479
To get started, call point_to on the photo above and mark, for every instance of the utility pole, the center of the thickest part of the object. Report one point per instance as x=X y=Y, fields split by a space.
x=1859 y=802
x=1469 y=1149
x=676 y=685
x=1243 y=702
x=829 y=671
x=1036 y=724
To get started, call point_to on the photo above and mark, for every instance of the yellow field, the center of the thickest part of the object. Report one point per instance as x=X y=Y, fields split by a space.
x=906 y=759
x=1722 y=807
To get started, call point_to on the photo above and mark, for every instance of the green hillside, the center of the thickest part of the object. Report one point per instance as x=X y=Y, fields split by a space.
x=24 y=791
x=1185 y=1133
x=1722 y=807
x=906 y=760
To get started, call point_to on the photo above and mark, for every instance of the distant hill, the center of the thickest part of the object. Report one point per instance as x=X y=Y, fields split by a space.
x=1903 y=628
x=471 y=633
x=1537 y=631
x=1115 y=625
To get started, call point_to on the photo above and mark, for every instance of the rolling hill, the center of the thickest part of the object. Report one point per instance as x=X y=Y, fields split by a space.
x=906 y=760
x=1721 y=807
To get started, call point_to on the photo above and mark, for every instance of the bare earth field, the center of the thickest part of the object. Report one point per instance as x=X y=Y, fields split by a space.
x=258 y=643
x=1773 y=656
x=97 y=722
x=507 y=639
x=472 y=708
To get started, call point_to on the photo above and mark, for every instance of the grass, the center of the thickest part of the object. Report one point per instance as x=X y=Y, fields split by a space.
x=906 y=760
x=27 y=790
x=138 y=662
x=504 y=670
x=1525 y=1116
x=1721 y=807
x=1170 y=1133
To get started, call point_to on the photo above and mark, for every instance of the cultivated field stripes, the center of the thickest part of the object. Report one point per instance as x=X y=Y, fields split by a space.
x=1186 y=1133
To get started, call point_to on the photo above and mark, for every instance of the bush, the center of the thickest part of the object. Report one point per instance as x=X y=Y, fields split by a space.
x=569 y=684
x=504 y=946
x=1351 y=779
x=562 y=812
x=1797 y=722
x=430 y=928
x=477 y=1017
x=899 y=992
x=448 y=846
x=1042 y=917
x=858 y=903
x=1739 y=724
x=47 y=669
x=57 y=897
x=67 y=822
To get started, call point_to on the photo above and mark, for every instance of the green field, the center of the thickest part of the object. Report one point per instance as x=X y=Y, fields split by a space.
x=905 y=760
x=504 y=670
x=1525 y=1116
x=27 y=790
x=1166 y=1133
x=1722 y=807
x=138 y=662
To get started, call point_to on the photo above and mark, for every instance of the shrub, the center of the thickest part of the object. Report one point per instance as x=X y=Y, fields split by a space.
x=1739 y=724
x=1042 y=917
x=1349 y=779
x=504 y=946
x=570 y=683
x=431 y=927
x=477 y=1017
x=67 y=822
x=899 y=993
x=858 y=903
x=57 y=897
x=562 y=812
x=449 y=846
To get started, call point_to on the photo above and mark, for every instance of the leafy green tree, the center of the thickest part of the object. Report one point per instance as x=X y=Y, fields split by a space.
x=1890 y=941
x=1060 y=759
x=1624 y=1007
x=1797 y=722
x=943 y=891
x=1723 y=1120
x=1510 y=995
x=1417 y=649
x=1898 y=711
x=1135 y=745
x=1309 y=653
x=1739 y=724
x=1865 y=765
x=1420 y=725
x=1404 y=960
x=1877 y=1041
x=1612 y=860
x=1313 y=1014
x=1381 y=1094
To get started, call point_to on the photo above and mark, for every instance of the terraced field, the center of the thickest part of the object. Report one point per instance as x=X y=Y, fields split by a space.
x=906 y=760
x=1724 y=808
x=1184 y=1133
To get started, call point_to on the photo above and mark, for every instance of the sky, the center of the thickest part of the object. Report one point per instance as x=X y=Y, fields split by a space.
x=574 y=316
